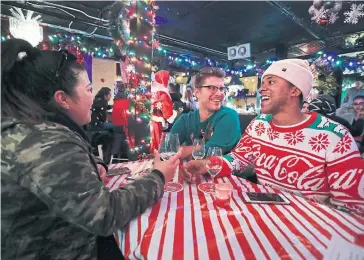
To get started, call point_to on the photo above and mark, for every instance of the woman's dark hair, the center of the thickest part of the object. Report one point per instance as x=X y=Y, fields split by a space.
x=103 y=92
x=175 y=88
x=358 y=97
x=121 y=90
x=30 y=77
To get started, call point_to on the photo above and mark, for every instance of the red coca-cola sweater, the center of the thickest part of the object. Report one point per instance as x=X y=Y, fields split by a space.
x=317 y=159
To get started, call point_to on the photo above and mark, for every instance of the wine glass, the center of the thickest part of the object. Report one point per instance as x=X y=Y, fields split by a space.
x=198 y=152
x=213 y=165
x=169 y=147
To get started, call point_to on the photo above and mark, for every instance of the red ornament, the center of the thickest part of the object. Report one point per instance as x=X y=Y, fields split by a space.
x=323 y=21
x=134 y=80
x=156 y=44
x=45 y=47
x=148 y=95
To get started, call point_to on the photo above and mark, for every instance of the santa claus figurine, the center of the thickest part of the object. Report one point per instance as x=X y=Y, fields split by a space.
x=162 y=108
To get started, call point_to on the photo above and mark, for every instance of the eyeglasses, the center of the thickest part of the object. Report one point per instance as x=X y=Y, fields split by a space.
x=66 y=55
x=214 y=88
x=358 y=104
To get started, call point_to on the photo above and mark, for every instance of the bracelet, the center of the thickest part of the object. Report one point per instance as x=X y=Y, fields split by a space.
x=160 y=174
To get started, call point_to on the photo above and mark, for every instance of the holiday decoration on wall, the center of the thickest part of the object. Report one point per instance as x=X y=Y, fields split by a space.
x=356 y=11
x=25 y=27
x=235 y=90
x=156 y=44
x=324 y=82
x=327 y=62
x=119 y=24
x=130 y=68
x=132 y=30
x=123 y=70
x=325 y=12
x=354 y=40
x=162 y=107
x=80 y=45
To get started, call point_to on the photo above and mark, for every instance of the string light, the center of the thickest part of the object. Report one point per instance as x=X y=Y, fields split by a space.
x=138 y=109
x=349 y=65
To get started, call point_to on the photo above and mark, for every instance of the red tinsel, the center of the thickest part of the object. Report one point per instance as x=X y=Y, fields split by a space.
x=134 y=80
x=75 y=50
x=79 y=55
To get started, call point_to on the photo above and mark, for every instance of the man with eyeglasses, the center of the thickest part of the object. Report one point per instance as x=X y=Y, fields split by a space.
x=306 y=154
x=218 y=125
x=355 y=120
x=347 y=104
x=356 y=90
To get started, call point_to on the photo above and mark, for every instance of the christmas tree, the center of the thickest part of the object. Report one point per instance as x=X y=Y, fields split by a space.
x=132 y=27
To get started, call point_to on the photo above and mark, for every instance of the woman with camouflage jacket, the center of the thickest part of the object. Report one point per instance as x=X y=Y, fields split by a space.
x=54 y=206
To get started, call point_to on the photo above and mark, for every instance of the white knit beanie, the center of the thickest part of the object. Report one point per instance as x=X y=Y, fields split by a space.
x=295 y=71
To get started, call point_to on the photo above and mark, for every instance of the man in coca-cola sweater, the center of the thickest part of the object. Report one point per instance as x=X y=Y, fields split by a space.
x=305 y=154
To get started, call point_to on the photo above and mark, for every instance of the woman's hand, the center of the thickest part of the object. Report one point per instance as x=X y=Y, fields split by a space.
x=169 y=167
x=102 y=172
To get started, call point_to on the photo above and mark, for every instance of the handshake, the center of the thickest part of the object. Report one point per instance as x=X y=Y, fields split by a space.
x=192 y=169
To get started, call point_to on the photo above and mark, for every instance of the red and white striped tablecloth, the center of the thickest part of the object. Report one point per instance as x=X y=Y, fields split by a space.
x=188 y=225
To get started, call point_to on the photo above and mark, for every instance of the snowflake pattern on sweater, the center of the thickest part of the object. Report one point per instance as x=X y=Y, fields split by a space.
x=317 y=159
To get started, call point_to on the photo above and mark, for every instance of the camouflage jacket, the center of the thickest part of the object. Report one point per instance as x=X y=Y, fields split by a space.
x=52 y=203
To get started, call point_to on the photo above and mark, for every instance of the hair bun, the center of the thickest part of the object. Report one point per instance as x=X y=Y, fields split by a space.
x=33 y=52
x=15 y=50
x=29 y=52
x=21 y=55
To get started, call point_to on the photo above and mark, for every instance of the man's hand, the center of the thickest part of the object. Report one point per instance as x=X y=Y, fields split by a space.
x=187 y=152
x=193 y=169
x=186 y=176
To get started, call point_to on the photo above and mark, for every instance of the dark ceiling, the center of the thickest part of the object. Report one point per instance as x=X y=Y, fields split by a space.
x=215 y=24
x=221 y=24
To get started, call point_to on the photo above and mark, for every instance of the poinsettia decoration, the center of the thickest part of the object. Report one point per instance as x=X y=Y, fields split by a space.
x=156 y=44
x=327 y=12
x=134 y=80
x=130 y=68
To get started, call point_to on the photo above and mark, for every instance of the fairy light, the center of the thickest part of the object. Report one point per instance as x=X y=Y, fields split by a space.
x=55 y=40
x=138 y=110
x=349 y=65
